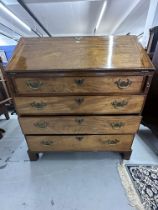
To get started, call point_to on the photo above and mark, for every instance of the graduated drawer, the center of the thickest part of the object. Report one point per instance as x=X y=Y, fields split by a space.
x=80 y=143
x=56 y=85
x=80 y=125
x=79 y=105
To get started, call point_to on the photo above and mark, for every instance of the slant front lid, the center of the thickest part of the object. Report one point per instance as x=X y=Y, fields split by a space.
x=113 y=52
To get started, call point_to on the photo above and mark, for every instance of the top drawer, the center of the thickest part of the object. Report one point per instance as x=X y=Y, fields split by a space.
x=79 y=85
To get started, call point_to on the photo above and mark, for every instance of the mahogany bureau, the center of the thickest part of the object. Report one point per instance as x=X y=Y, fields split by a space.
x=79 y=93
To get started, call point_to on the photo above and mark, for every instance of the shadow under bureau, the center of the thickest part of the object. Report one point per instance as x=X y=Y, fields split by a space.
x=79 y=93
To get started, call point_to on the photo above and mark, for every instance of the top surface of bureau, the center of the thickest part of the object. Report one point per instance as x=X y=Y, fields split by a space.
x=79 y=54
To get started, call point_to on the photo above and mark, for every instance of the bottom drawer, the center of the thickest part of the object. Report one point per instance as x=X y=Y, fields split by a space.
x=80 y=143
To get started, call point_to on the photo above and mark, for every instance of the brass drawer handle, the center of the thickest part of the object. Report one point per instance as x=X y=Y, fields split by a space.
x=47 y=142
x=34 y=84
x=79 y=82
x=122 y=84
x=119 y=104
x=117 y=125
x=110 y=141
x=38 y=105
x=79 y=138
x=79 y=120
x=41 y=124
x=79 y=100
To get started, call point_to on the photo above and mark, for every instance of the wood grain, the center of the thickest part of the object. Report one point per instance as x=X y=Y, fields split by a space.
x=80 y=125
x=70 y=53
x=63 y=85
x=80 y=143
x=79 y=93
x=79 y=105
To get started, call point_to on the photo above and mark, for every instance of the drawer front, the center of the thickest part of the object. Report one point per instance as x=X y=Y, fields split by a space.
x=80 y=125
x=79 y=105
x=80 y=143
x=56 y=85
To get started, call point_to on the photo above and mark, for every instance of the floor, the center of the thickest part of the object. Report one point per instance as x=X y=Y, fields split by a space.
x=73 y=181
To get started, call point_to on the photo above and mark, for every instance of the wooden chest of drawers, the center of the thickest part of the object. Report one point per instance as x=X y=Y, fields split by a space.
x=79 y=94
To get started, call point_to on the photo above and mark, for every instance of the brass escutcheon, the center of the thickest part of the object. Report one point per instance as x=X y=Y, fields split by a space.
x=110 y=141
x=79 y=100
x=122 y=84
x=38 y=105
x=79 y=138
x=41 y=124
x=47 y=142
x=79 y=120
x=34 y=84
x=79 y=82
x=119 y=104
x=117 y=125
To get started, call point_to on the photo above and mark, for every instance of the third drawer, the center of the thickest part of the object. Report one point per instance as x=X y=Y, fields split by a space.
x=80 y=125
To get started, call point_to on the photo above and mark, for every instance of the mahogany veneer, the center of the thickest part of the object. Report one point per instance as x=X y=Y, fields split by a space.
x=79 y=93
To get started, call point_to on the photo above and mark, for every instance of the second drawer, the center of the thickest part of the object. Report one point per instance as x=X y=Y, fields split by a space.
x=79 y=105
x=80 y=125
